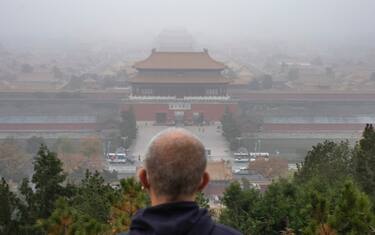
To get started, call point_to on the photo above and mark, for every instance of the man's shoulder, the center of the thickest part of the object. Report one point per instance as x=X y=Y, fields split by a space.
x=221 y=229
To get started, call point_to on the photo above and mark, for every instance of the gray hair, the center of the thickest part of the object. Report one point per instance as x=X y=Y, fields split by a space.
x=175 y=163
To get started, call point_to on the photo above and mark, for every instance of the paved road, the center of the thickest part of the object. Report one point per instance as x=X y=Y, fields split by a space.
x=210 y=136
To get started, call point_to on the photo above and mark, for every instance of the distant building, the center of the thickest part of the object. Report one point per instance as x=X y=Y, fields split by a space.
x=179 y=87
x=48 y=127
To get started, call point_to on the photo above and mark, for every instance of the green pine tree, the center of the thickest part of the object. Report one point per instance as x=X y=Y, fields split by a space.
x=328 y=161
x=364 y=161
x=132 y=198
x=318 y=208
x=86 y=211
x=94 y=197
x=10 y=215
x=352 y=213
x=231 y=129
x=280 y=208
x=48 y=178
x=128 y=126
x=66 y=219
x=241 y=209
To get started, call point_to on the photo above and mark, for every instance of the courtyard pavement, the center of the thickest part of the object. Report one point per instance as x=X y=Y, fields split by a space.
x=210 y=136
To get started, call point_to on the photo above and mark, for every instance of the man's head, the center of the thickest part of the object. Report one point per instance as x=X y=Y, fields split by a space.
x=175 y=165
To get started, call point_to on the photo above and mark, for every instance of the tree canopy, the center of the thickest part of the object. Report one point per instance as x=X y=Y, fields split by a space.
x=128 y=127
x=231 y=129
x=327 y=195
x=364 y=161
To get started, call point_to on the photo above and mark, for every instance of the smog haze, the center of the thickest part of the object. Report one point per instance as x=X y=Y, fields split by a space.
x=334 y=22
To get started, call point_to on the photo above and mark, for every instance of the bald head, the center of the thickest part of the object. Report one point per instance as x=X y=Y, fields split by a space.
x=175 y=163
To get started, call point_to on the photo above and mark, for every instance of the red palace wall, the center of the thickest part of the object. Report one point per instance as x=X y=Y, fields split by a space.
x=211 y=111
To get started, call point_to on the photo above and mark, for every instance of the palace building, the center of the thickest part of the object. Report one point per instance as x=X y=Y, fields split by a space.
x=179 y=87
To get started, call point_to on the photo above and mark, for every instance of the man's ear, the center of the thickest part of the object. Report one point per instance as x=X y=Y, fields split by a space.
x=204 y=181
x=143 y=178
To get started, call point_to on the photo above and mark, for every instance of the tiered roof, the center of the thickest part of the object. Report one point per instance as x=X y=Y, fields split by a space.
x=180 y=60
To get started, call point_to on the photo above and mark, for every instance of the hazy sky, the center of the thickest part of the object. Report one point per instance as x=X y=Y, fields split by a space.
x=346 y=21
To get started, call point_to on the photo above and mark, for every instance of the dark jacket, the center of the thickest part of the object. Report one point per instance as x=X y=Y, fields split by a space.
x=180 y=218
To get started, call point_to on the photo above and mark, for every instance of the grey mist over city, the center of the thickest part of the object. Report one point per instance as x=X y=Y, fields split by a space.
x=223 y=23
x=280 y=93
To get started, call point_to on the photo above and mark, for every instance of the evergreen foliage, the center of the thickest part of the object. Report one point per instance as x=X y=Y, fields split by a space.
x=48 y=205
x=321 y=198
x=318 y=212
x=47 y=179
x=302 y=209
x=94 y=197
x=96 y=208
x=132 y=198
x=327 y=195
x=231 y=129
x=352 y=213
x=329 y=161
x=242 y=207
x=66 y=219
x=128 y=126
x=86 y=211
x=9 y=210
x=364 y=161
